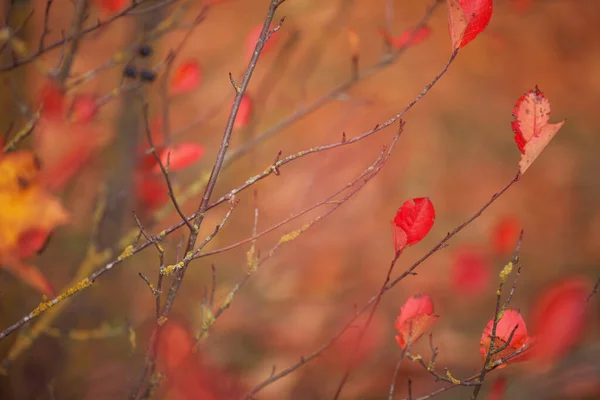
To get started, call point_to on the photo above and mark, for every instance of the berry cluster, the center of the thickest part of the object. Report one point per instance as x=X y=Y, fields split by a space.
x=145 y=75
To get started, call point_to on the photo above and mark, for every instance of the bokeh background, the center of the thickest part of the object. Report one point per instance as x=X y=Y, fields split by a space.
x=457 y=149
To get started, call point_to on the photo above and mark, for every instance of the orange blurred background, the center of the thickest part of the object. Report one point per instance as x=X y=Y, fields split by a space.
x=457 y=148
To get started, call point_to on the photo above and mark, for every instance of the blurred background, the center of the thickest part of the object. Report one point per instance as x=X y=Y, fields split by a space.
x=457 y=149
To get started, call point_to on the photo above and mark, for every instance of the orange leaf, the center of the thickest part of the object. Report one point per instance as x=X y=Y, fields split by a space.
x=467 y=19
x=530 y=125
x=28 y=214
x=415 y=217
x=559 y=318
x=410 y=37
x=244 y=113
x=415 y=319
x=354 y=42
x=187 y=77
x=179 y=157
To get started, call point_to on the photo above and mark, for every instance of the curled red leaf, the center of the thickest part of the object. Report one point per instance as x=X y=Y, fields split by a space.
x=530 y=126
x=415 y=319
x=186 y=77
x=467 y=19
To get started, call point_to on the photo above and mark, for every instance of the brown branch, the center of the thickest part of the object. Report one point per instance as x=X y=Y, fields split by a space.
x=131 y=250
x=355 y=185
x=164 y=170
x=75 y=36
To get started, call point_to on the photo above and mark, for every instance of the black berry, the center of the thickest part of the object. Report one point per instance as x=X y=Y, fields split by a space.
x=145 y=50
x=130 y=71
x=147 y=76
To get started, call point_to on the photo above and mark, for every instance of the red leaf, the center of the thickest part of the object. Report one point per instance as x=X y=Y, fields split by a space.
x=244 y=112
x=32 y=276
x=111 y=6
x=415 y=217
x=467 y=19
x=530 y=125
x=415 y=319
x=471 y=272
x=498 y=389
x=505 y=235
x=187 y=77
x=188 y=377
x=32 y=241
x=510 y=320
x=559 y=318
x=410 y=37
x=84 y=108
x=151 y=191
x=179 y=157
x=399 y=237
x=52 y=97
x=252 y=39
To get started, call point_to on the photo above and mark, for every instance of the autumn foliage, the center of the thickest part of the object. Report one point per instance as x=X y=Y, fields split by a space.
x=206 y=240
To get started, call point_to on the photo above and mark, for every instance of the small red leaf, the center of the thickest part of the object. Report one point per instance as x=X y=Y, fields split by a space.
x=187 y=77
x=111 y=6
x=415 y=319
x=84 y=108
x=179 y=157
x=415 y=218
x=530 y=125
x=467 y=19
x=32 y=276
x=505 y=235
x=31 y=242
x=410 y=37
x=244 y=112
x=151 y=191
x=498 y=389
x=52 y=97
x=559 y=318
x=471 y=272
